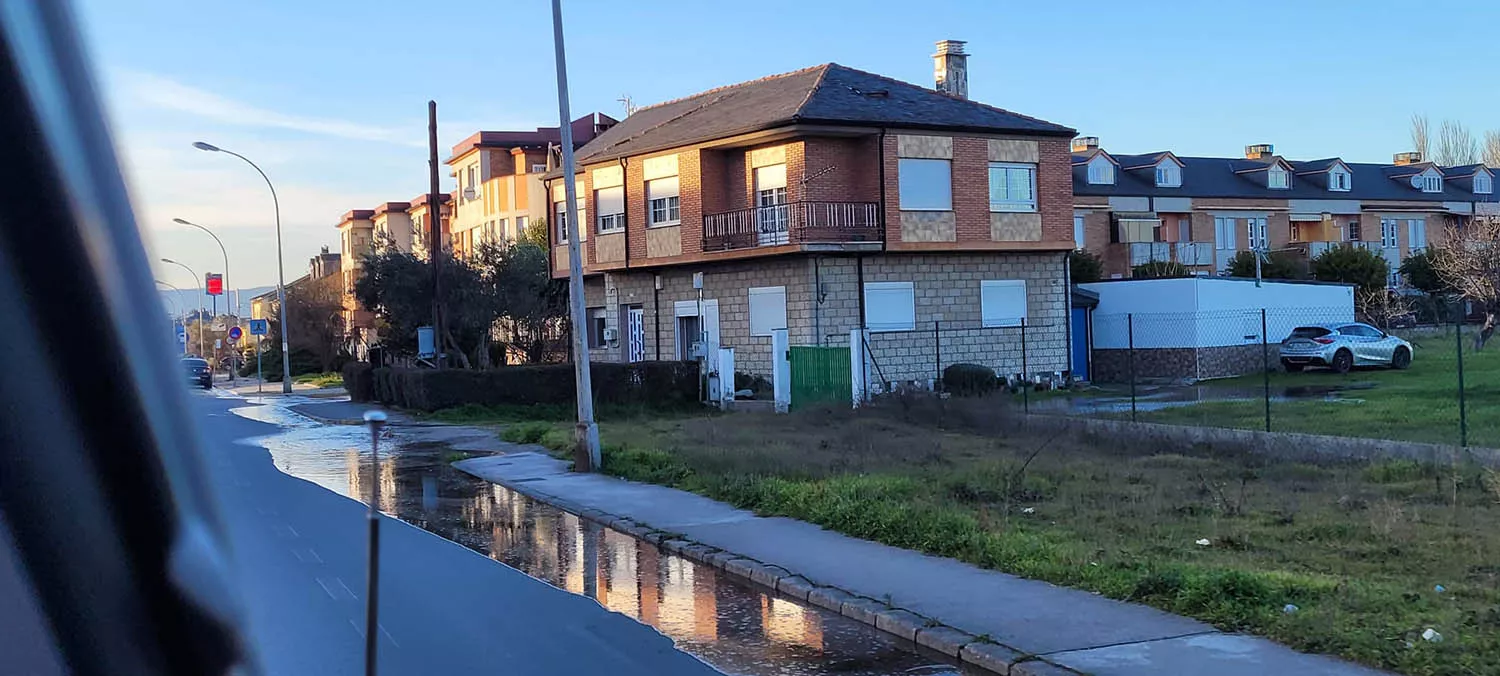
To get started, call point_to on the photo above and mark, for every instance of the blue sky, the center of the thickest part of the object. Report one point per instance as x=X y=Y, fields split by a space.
x=329 y=96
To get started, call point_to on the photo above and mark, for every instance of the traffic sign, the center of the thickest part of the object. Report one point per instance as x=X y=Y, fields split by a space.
x=260 y=327
x=231 y=339
x=235 y=333
x=213 y=283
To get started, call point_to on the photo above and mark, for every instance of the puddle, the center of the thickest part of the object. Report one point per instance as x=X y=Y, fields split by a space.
x=736 y=627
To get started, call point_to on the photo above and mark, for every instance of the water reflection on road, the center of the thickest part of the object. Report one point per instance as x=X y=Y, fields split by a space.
x=734 y=626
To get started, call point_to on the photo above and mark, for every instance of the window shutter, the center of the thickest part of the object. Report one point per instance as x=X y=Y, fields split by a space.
x=1002 y=302
x=767 y=309
x=610 y=201
x=890 y=306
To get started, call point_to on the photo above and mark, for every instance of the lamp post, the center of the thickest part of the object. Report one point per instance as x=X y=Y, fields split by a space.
x=236 y=296
x=177 y=318
x=200 y=303
x=286 y=351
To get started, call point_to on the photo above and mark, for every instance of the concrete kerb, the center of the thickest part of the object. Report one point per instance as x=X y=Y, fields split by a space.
x=898 y=622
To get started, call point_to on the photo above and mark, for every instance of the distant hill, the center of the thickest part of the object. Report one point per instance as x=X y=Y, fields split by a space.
x=187 y=300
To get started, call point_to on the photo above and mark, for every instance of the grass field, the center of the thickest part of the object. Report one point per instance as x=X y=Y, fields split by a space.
x=329 y=379
x=1358 y=548
x=1418 y=404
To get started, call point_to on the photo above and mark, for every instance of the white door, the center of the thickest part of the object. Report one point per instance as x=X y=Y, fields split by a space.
x=1224 y=242
x=635 y=334
x=771 y=210
x=697 y=323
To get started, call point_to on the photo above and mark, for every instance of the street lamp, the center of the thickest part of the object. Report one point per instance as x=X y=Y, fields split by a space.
x=200 y=303
x=286 y=351
x=236 y=314
x=178 y=319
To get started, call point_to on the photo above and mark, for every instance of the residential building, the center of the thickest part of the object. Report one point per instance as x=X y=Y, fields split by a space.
x=1202 y=211
x=321 y=266
x=357 y=238
x=820 y=201
x=392 y=225
x=324 y=264
x=418 y=213
x=499 y=175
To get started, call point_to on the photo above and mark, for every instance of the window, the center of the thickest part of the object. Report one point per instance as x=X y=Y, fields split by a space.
x=1185 y=229
x=925 y=185
x=1353 y=233
x=1388 y=233
x=520 y=227
x=473 y=184
x=1483 y=185
x=1002 y=302
x=772 y=215
x=1012 y=187
x=1338 y=180
x=501 y=232
x=1168 y=175
x=767 y=309
x=1224 y=233
x=1416 y=235
x=560 y=217
x=890 y=306
x=1257 y=232
x=1078 y=232
x=610 y=204
x=1278 y=179
x=596 y=327
x=538 y=168
x=1101 y=171
x=663 y=202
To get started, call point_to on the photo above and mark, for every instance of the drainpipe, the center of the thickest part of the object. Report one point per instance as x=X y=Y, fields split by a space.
x=624 y=204
x=656 y=310
x=1068 y=308
x=818 y=300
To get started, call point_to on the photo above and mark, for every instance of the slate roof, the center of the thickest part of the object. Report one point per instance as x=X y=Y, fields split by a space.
x=826 y=94
x=1217 y=177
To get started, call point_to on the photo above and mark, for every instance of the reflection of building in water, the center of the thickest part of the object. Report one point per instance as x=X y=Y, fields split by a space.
x=688 y=608
x=356 y=478
x=650 y=571
x=357 y=467
x=388 y=490
x=620 y=591
x=786 y=622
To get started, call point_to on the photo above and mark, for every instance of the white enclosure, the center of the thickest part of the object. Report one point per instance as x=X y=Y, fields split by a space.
x=1203 y=312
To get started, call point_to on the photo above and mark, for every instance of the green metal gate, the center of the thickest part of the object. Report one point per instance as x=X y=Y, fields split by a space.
x=820 y=374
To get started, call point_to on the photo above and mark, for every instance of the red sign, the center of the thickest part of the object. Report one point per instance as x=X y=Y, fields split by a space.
x=214 y=283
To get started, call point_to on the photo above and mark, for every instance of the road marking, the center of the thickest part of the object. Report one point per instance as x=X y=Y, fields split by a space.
x=326 y=588
x=286 y=531
x=347 y=590
x=307 y=555
x=266 y=511
x=358 y=629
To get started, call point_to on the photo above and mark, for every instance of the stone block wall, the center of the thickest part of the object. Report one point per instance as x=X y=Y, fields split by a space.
x=1177 y=363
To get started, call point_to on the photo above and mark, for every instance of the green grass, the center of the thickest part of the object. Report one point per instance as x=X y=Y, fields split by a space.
x=327 y=379
x=1419 y=404
x=1357 y=547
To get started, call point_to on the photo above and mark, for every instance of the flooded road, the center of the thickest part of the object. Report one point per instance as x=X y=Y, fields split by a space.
x=736 y=627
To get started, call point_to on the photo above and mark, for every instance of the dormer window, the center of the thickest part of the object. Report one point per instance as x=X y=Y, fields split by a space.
x=1168 y=175
x=1278 y=178
x=1428 y=181
x=1101 y=171
x=1338 y=180
x=1483 y=184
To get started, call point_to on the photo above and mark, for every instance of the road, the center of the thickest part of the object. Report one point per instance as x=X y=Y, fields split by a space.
x=299 y=552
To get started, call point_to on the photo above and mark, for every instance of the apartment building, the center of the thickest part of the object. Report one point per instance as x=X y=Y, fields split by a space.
x=499 y=176
x=356 y=239
x=1202 y=211
x=418 y=213
x=820 y=201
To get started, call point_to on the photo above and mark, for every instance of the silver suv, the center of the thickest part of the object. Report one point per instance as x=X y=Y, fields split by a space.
x=1342 y=347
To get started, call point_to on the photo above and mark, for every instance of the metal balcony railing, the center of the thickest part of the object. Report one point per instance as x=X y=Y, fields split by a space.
x=793 y=223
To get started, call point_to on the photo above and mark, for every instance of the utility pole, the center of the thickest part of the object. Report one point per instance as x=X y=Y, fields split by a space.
x=586 y=433
x=435 y=233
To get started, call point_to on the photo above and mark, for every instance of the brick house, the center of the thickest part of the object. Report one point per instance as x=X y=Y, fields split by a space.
x=499 y=175
x=1201 y=211
x=820 y=201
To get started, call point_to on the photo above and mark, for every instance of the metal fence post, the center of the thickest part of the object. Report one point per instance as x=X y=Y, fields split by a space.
x=1130 y=358
x=1463 y=414
x=1025 y=371
x=937 y=354
x=1265 y=364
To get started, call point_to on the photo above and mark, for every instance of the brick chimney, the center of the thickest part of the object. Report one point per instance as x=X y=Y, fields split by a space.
x=1085 y=144
x=950 y=67
x=1403 y=159
x=1260 y=151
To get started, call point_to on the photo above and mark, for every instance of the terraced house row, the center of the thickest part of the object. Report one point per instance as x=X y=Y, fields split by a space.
x=1201 y=211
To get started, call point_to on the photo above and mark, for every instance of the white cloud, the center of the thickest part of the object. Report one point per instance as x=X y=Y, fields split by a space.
x=164 y=93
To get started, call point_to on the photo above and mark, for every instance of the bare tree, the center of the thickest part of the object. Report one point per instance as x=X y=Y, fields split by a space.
x=1492 y=148
x=1456 y=145
x=1379 y=307
x=1471 y=266
x=1419 y=134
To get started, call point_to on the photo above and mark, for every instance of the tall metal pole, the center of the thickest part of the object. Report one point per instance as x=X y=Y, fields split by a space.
x=286 y=350
x=586 y=439
x=200 y=302
x=375 y=420
x=1265 y=365
x=225 y=253
x=1463 y=413
x=435 y=233
x=1130 y=358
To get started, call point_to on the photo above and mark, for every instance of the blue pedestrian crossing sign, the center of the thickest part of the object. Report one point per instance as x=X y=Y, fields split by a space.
x=181 y=336
x=260 y=327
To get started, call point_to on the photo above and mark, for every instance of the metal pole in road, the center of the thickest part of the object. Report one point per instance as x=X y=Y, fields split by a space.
x=375 y=420
x=586 y=440
x=286 y=350
x=200 y=281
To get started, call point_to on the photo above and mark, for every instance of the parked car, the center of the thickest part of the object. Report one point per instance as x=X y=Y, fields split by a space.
x=1343 y=346
x=198 y=372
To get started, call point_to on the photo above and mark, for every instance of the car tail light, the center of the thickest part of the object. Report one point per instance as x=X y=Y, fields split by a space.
x=1323 y=341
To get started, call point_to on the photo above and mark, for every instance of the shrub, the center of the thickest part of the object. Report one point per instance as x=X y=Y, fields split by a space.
x=1084 y=266
x=969 y=380
x=1360 y=267
x=1276 y=265
x=359 y=380
x=1160 y=270
x=526 y=432
x=653 y=384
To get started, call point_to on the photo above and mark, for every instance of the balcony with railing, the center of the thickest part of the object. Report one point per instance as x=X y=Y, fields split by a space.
x=1194 y=253
x=794 y=223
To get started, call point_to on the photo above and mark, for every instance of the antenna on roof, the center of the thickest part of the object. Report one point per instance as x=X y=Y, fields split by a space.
x=629 y=104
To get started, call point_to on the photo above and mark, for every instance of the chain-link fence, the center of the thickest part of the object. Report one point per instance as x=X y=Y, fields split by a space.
x=1025 y=355
x=1309 y=370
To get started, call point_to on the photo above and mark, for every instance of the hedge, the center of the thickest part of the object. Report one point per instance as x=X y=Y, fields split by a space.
x=661 y=383
x=970 y=380
x=359 y=380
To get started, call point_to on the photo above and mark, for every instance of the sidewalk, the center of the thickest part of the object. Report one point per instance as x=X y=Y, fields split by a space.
x=247 y=386
x=1003 y=623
